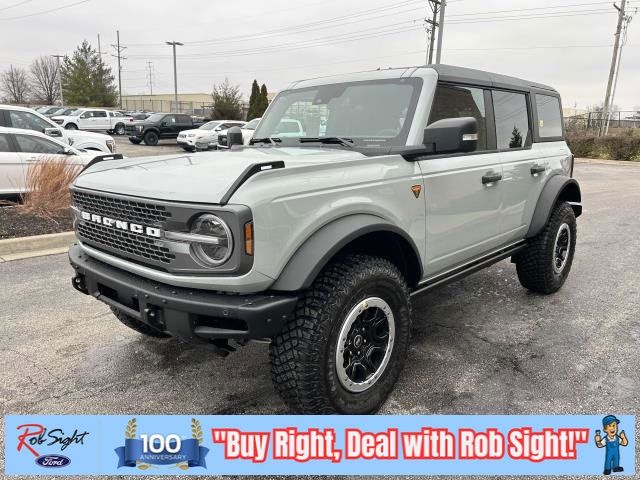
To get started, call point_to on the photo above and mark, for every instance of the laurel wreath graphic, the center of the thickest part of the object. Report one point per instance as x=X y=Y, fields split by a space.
x=196 y=432
x=130 y=431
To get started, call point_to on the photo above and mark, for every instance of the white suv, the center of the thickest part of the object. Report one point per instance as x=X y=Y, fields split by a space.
x=26 y=118
x=206 y=135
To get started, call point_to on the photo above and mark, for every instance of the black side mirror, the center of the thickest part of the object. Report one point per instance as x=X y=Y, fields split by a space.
x=452 y=135
x=234 y=136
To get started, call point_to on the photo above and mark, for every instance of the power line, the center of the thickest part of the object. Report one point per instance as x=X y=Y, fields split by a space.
x=47 y=11
x=15 y=5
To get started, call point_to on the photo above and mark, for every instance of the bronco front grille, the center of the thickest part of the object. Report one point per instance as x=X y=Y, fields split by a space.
x=127 y=210
x=122 y=242
x=125 y=242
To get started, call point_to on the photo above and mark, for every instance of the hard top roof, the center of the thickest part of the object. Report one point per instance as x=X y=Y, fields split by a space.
x=447 y=73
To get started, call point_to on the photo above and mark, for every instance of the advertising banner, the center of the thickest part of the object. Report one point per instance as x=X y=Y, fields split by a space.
x=299 y=445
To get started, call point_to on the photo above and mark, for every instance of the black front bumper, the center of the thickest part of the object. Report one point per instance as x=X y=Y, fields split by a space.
x=191 y=314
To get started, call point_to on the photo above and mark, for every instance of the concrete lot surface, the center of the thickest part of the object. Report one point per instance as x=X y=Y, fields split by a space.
x=483 y=345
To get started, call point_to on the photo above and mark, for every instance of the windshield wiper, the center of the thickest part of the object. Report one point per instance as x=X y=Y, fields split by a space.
x=345 y=142
x=270 y=140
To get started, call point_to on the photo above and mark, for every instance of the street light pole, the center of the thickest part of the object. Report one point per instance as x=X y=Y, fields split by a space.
x=175 y=71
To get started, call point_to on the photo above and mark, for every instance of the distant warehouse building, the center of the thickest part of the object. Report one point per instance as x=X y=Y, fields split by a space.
x=199 y=104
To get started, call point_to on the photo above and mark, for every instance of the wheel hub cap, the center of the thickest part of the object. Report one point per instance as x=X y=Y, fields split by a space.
x=365 y=344
x=561 y=248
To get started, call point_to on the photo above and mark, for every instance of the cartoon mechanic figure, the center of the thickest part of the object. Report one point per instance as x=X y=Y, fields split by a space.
x=612 y=442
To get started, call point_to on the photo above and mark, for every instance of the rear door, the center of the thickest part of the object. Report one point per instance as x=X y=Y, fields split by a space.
x=12 y=168
x=34 y=149
x=463 y=192
x=100 y=120
x=526 y=163
x=167 y=126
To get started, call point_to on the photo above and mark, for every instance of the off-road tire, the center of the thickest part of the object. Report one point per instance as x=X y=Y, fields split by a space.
x=137 y=325
x=151 y=139
x=135 y=141
x=71 y=126
x=303 y=355
x=119 y=129
x=535 y=264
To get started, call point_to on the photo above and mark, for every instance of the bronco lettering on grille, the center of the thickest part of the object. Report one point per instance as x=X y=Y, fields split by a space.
x=121 y=225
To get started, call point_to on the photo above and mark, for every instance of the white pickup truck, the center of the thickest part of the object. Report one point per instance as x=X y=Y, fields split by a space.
x=95 y=119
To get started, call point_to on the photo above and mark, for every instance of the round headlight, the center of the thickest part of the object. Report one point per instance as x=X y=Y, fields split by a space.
x=216 y=242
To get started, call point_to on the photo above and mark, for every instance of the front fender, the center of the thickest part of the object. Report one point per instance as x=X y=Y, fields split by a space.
x=305 y=264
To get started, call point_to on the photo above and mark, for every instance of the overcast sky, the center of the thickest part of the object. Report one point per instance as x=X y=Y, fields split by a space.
x=564 y=43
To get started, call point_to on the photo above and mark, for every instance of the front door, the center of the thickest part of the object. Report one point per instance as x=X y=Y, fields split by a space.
x=463 y=192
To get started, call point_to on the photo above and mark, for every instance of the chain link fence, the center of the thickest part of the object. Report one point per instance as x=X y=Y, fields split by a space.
x=591 y=122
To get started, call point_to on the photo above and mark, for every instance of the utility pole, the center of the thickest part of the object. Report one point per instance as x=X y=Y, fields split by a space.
x=150 y=70
x=623 y=42
x=99 y=48
x=432 y=27
x=614 y=62
x=119 y=50
x=175 y=71
x=443 y=4
x=58 y=57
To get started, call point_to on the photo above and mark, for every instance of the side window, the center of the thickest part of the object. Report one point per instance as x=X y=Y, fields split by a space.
x=5 y=146
x=27 y=121
x=30 y=144
x=99 y=114
x=549 y=116
x=185 y=119
x=512 y=119
x=169 y=119
x=87 y=114
x=454 y=101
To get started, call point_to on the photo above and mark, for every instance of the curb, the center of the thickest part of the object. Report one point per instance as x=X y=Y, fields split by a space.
x=602 y=161
x=36 y=246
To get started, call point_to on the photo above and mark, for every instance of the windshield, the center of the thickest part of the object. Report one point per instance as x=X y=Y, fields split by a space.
x=209 y=125
x=156 y=117
x=70 y=111
x=252 y=124
x=371 y=113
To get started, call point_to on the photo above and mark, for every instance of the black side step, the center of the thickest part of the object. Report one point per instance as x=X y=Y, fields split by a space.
x=102 y=158
x=469 y=268
x=249 y=172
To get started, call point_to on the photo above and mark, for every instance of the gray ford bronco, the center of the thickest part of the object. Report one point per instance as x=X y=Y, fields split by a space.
x=317 y=241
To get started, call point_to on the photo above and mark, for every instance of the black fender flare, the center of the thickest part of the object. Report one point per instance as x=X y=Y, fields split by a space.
x=311 y=257
x=558 y=187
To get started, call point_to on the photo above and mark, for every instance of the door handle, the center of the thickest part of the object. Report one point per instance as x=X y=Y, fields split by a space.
x=32 y=159
x=536 y=169
x=491 y=178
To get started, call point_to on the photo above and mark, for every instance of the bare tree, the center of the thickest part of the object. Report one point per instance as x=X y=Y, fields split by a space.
x=44 y=80
x=15 y=84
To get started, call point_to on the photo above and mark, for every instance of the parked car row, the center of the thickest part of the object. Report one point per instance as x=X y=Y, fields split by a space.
x=13 y=116
x=21 y=148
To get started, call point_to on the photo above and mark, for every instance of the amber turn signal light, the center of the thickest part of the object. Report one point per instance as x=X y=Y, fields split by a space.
x=248 y=238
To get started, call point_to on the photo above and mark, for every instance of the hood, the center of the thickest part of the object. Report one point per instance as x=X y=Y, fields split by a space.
x=200 y=177
x=197 y=131
x=84 y=135
x=63 y=117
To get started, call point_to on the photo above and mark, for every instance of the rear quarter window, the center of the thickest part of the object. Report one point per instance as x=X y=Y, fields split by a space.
x=549 y=116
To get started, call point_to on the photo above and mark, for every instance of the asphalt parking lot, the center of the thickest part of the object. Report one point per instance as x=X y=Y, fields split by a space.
x=483 y=345
x=128 y=149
